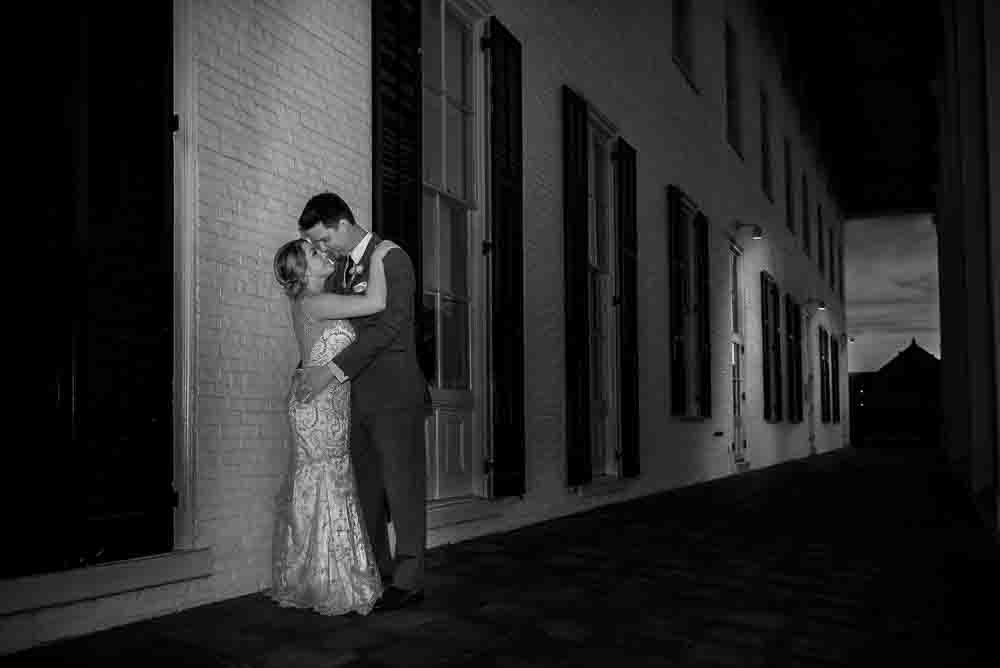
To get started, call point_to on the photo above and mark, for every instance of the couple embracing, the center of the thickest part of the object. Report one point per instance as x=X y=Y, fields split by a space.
x=356 y=411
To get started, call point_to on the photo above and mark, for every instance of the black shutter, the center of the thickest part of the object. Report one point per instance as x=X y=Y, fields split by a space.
x=578 y=466
x=789 y=358
x=765 y=337
x=823 y=387
x=677 y=226
x=628 y=354
x=507 y=218
x=396 y=129
x=704 y=318
x=835 y=379
x=778 y=393
x=799 y=397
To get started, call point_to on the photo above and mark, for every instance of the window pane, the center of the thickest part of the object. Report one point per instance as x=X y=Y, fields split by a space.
x=600 y=190
x=456 y=141
x=734 y=287
x=431 y=45
x=430 y=259
x=433 y=144
x=427 y=346
x=454 y=345
x=454 y=251
x=455 y=57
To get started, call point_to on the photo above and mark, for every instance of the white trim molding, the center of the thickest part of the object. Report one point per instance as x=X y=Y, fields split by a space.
x=81 y=584
x=185 y=176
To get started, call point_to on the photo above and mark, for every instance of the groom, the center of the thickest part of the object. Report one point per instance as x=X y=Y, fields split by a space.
x=387 y=397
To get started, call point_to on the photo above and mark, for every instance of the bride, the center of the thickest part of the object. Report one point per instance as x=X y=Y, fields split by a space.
x=322 y=556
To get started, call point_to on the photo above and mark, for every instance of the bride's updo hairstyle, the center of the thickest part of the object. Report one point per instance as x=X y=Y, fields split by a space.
x=290 y=268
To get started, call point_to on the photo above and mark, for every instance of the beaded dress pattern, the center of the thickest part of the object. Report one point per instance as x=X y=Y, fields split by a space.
x=322 y=558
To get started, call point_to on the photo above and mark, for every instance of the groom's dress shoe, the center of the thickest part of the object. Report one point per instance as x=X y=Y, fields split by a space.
x=394 y=598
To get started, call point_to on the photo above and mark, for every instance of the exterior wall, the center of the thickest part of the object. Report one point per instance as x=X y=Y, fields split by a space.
x=282 y=94
x=680 y=138
x=968 y=231
x=991 y=25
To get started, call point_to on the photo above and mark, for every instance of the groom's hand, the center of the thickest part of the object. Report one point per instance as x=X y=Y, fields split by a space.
x=312 y=381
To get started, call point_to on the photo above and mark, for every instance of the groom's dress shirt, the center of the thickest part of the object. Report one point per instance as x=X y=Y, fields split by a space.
x=357 y=254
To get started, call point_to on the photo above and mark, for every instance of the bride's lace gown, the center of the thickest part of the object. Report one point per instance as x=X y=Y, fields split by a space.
x=322 y=557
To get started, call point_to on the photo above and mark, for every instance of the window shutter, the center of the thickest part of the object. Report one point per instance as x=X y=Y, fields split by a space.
x=396 y=128
x=835 y=379
x=823 y=386
x=705 y=338
x=793 y=351
x=507 y=213
x=628 y=356
x=775 y=312
x=799 y=397
x=765 y=329
x=578 y=464
x=677 y=226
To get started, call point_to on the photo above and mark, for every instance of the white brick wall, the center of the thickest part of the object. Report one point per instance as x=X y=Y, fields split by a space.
x=283 y=99
x=283 y=113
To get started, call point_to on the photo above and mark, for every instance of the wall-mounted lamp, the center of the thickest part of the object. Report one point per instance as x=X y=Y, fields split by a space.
x=818 y=303
x=756 y=231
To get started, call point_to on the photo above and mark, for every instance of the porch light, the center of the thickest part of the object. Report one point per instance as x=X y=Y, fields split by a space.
x=756 y=231
x=818 y=303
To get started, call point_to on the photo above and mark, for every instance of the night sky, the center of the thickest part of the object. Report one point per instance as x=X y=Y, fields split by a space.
x=891 y=280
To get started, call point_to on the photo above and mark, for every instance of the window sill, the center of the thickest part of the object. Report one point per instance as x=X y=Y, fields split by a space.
x=691 y=418
x=603 y=486
x=448 y=512
x=81 y=584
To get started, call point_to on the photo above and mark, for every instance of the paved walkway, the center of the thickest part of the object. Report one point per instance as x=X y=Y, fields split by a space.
x=854 y=558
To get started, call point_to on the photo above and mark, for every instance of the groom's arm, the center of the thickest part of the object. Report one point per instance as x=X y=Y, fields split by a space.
x=399 y=287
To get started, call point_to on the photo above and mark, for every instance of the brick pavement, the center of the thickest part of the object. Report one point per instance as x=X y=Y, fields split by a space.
x=852 y=558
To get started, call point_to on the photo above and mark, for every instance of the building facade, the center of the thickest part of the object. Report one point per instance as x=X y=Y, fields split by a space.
x=599 y=319
x=900 y=403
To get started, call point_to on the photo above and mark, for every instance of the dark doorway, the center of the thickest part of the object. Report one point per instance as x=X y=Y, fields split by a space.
x=97 y=461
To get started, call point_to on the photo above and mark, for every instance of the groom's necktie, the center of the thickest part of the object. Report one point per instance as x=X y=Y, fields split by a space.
x=348 y=271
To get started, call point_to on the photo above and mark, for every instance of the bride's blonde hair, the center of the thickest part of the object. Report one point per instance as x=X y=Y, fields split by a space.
x=290 y=268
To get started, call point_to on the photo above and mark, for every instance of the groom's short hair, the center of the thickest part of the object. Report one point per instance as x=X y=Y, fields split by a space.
x=326 y=208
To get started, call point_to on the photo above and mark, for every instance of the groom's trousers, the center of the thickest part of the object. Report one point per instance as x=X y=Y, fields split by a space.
x=387 y=451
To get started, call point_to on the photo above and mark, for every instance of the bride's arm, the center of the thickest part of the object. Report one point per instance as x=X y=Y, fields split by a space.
x=332 y=307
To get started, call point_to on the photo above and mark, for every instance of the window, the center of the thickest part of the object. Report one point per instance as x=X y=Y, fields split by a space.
x=691 y=391
x=470 y=234
x=824 y=374
x=789 y=189
x=735 y=291
x=683 y=45
x=806 y=231
x=833 y=261
x=770 y=304
x=103 y=393
x=600 y=285
x=820 y=252
x=840 y=264
x=734 y=129
x=448 y=197
x=793 y=351
x=766 y=177
x=835 y=379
